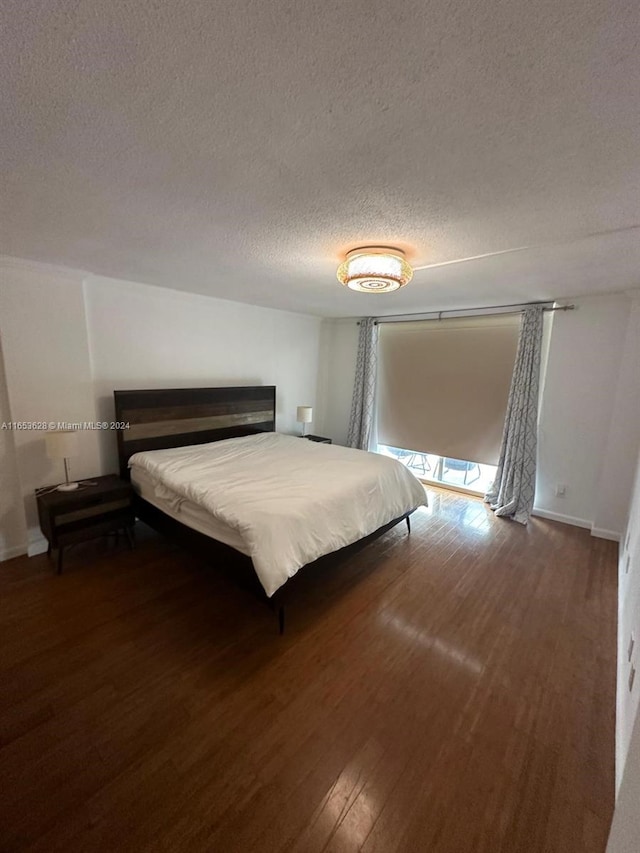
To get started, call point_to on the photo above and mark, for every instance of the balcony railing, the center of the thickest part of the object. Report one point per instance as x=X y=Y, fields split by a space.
x=445 y=471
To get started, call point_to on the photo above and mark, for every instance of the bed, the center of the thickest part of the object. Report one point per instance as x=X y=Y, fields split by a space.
x=208 y=467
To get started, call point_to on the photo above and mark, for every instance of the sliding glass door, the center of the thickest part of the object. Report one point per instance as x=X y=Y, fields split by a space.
x=442 y=470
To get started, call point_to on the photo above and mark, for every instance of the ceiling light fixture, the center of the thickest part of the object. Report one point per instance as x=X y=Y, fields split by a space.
x=375 y=269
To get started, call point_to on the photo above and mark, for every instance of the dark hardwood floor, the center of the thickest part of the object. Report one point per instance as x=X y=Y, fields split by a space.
x=451 y=691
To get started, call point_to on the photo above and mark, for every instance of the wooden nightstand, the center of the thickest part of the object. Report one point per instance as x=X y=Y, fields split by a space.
x=89 y=511
x=319 y=438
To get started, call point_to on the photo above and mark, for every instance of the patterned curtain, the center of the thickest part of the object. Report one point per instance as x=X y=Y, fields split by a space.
x=362 y=417
x=513 y=489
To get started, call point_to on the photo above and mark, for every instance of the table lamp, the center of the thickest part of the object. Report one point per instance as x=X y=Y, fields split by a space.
x=62 y=444
x=304 y=417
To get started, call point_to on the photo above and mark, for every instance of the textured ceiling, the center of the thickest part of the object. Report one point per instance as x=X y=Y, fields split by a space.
x=239 y=147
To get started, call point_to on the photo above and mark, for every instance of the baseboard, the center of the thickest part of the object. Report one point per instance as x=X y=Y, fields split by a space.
x=598 y=532
x=10 y=553
x=601 y=533
x=563 y=519
x=37 y=546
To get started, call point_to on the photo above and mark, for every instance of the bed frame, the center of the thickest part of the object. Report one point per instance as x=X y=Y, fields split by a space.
x=176 y=417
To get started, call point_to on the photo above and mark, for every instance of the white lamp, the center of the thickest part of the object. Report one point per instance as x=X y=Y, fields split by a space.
x=304 y=416
x=62 y=444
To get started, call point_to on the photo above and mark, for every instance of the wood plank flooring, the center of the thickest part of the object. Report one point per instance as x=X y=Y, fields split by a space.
x=451 y=690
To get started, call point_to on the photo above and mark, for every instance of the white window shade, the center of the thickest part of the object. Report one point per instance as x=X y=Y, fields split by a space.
x=443 y=385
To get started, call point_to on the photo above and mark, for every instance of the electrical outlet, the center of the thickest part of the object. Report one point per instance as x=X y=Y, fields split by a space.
x=631 y=645
x=561 y=490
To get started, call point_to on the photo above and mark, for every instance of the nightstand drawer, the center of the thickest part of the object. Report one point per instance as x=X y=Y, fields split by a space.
x=90 y=511
x=80 y=531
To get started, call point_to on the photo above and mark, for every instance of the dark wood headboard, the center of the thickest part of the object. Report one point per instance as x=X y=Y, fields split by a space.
x=176 y=417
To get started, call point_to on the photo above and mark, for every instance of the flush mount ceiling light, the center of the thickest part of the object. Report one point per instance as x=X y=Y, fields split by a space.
x=374 y=269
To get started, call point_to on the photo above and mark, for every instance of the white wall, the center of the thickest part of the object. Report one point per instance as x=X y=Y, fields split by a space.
x=150 y=337
x=625 y=830
x=338 y=351
x=615 y=481
x=585 y=357
x=13 y=530
x=70 y=340
x=44 y=341
x=587 y=422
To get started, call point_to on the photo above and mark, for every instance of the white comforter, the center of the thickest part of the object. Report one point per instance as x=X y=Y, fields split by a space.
x=291 y=500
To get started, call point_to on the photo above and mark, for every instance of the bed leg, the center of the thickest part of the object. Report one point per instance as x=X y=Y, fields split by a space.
x=281 y=619
x=408 y=520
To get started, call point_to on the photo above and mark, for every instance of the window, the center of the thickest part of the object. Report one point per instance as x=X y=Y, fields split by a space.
x=431 y=468
x=443 y=387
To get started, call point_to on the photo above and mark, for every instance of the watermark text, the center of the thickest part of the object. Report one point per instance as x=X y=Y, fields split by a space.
x=62 y=425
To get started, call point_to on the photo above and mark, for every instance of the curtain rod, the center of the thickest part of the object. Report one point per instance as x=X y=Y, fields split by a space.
x=517 y=307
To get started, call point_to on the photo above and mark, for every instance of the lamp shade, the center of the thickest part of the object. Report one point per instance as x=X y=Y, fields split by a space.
x=61 y=444
x=304 y=414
